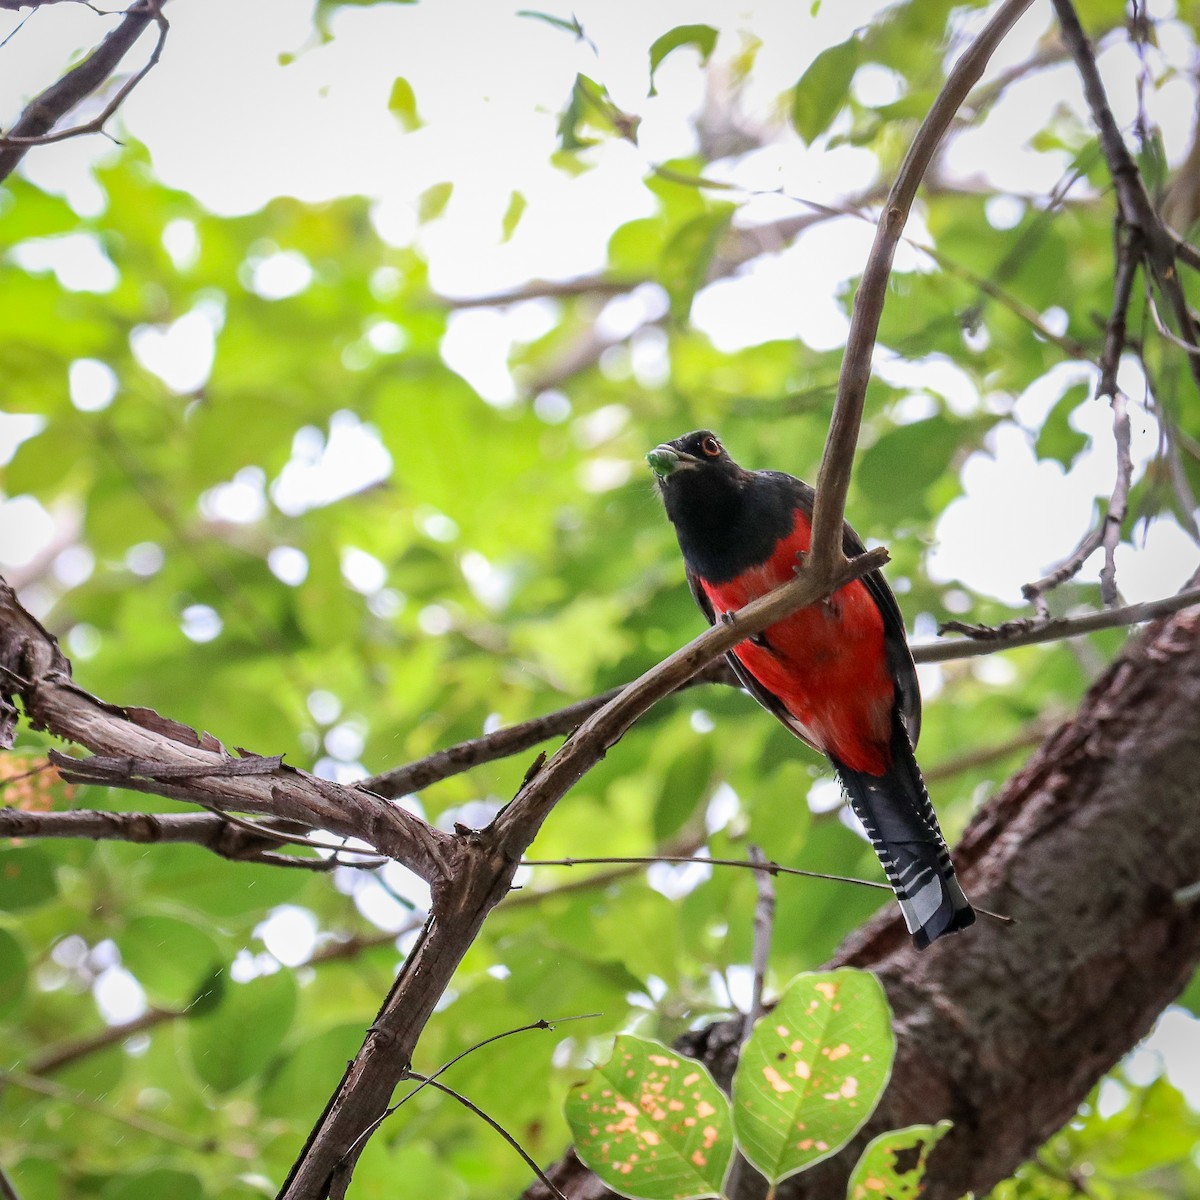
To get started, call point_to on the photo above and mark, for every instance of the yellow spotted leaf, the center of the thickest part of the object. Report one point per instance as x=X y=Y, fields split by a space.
x=893 y=1164
x=812 y=1071
x=652 y=1124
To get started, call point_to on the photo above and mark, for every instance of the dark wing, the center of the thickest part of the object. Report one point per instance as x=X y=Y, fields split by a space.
x=895 y=640
x=899 y=657
x=767 y=699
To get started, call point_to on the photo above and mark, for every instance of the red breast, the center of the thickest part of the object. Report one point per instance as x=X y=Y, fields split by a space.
x=826 y=663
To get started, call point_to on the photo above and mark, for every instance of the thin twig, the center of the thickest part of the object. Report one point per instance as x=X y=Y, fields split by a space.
x=62 y=1055
x=541 y=1023
x=1070 y=566
x=1190 y=348
x=764 y=920
x=512 y=739
x=7 y=1191
x=833 y=482
x=985 y=639
x=1118 y=501
x=1137 y=209
x=56 y=1091
x=213 y=832
x=43 y=112
x=508 y=1137
x=1108 y=532
x=767 y=867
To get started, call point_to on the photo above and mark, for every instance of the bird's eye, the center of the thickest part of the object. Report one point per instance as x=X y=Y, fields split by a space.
x=711 y=446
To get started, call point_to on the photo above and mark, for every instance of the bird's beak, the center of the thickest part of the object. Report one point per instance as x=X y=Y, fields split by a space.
x=665 y=460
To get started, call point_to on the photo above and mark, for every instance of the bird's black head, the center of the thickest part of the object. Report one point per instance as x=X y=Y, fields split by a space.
x=699 y=455
x=704 y=491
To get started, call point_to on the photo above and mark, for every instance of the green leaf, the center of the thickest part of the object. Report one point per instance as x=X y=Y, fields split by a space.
x=683 y=788
x=703 y=37
x=812 y=1071
x=893 y=1164
x=569 y=124
x=169 y=957
x=652 y=1123
x=153 y=1185
x=909 y=459
x=14 y=972
x=571 y=26
x=26 y=879
x=312 y=1068
x=433 y=200
x=513 y=214
x=822 y=90
x=402 y=104
x=240 y=1036
x=1057 y=439
x=685 y=259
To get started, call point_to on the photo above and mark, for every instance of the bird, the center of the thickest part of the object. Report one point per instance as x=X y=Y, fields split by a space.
x=838 y=674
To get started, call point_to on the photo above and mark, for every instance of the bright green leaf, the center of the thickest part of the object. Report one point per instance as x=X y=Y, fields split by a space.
x=812 y=1071
x=433 y=200
x=703 y=37
x=652 y=1123
x=686 y=257
x=1057 y=438
x=402 y=104
x=893 y=1164
x=822 y=90
x=513 y=214
x=571 y=26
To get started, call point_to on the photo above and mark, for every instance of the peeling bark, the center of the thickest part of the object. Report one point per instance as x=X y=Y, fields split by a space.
x=1005 y=1029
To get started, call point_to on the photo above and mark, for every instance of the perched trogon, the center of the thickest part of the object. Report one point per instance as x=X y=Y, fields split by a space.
x=838 y=674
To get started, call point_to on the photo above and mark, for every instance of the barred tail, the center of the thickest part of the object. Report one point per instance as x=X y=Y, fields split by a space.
x=899 y=819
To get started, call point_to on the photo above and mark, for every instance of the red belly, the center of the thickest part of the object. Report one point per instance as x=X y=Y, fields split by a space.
x=826 y=663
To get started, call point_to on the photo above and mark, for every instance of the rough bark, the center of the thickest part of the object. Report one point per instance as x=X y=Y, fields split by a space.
x=1004 y=1029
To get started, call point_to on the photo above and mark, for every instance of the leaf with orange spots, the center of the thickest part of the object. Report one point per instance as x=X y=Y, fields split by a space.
x=812 y=1071
x=893 y=1164
x=652 y=1123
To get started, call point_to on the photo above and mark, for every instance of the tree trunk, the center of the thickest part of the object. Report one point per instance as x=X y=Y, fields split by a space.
x=1005 y=1029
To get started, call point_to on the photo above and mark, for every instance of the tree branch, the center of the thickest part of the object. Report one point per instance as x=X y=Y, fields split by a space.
x=1158 y=244
x=517 y=825
x=137 y=748
x=482 y=873
x=65 y=1053
x=512 y=739
x=987 y=638
x=1006 y=1029
x=430 y=1081
x=45 y=110
x=56 y=1091
x=833 y=481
